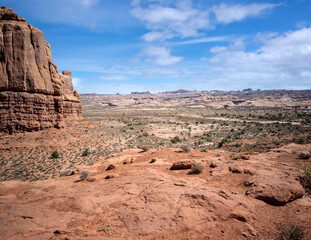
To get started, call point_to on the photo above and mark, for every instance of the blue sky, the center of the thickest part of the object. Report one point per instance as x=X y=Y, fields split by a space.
x=119 y=46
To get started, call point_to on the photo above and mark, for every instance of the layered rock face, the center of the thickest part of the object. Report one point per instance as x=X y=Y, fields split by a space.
x=33 y=94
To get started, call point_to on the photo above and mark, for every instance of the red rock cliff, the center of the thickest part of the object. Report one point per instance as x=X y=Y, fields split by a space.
x=33 y=94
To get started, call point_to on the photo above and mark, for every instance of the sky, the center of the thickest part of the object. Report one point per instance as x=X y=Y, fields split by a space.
x=120 y=46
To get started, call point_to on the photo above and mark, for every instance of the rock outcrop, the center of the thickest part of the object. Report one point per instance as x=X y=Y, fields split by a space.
x=33 y=94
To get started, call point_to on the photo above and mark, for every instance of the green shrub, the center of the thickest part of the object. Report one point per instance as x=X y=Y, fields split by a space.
x=292 y=232
x=105 y=229
x=162 y=143
x=306 y=179
x=196 y=168
x=176 y=139
x=55 y=154
x=84 y=174
x=86 y=152
x=144 y=148
x=186 y=148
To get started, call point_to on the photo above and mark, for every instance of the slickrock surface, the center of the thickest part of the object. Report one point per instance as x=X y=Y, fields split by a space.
x=33 y=94
x=143 y=200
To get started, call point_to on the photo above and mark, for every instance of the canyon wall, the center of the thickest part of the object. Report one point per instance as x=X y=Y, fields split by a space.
x=33 y=94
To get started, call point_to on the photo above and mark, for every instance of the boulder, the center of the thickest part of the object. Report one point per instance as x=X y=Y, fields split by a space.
x=274 y=190
x=181 y=165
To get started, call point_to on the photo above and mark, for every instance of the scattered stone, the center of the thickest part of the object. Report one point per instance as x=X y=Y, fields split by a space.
x=249 y=171
x=110 y=167
x=153 y=160
x=213 y=165
x=245 y=157
x=181 y=165
x=109 y=177
x=235 y=169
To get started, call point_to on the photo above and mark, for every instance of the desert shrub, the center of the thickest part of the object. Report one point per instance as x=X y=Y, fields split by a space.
x=176 y=139
x=204 y=149
x=162 y=143
x=105 y=229
x=144 y=148
x=304 y=156
x=300 y=141
x=186 y=148
x=84 y=174
x=218 y=154
x=66 y=172
x=306 y=179
x=86 y=152
x=292 y=232
x=236 y=157
x=55 y=154
x=196 y=168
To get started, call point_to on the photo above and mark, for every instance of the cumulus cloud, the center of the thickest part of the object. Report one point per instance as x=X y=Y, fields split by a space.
x=159 y=56
x=230 y=13
x=283 y=60
x=167 y=21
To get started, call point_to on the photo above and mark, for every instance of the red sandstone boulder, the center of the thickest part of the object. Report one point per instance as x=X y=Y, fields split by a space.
x=275 y=190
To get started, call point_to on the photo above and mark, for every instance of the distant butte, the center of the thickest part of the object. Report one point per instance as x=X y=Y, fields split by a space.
x=33 y=94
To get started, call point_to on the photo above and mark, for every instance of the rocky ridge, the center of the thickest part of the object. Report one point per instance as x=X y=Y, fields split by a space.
x=33 y=94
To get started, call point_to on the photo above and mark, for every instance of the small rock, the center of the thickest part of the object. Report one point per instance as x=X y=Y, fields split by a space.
x=125 y=162
x=235 y=169
x=181 y=165
x=153 y=160
x=213 y=165
x=110 y=167
x=249 y=171
x=109 y=176
x=246 y=157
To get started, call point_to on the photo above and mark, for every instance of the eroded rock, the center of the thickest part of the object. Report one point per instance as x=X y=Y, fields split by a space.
x=34 y=95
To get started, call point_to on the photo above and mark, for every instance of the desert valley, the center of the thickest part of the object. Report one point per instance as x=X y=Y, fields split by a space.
x=169 y=165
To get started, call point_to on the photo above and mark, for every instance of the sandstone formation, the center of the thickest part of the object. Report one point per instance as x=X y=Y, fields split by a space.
x=33 y=94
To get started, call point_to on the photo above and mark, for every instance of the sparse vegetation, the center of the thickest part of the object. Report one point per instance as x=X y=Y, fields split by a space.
x=86 y=152
x=55 y=154
x=292 y=232
x=84 y=174
x=306 y=179
x=176 y=139
x=196 y=168
x=104 y=229
x=186 y=148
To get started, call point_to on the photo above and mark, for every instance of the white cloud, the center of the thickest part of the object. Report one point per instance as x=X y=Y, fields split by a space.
x=76 y=82
x=230 y=13
x=283 y=62
x=205 y=40
x=159 y=56
x=114 y=77
x=265 y=36
x=85 y=3
x=167 y=21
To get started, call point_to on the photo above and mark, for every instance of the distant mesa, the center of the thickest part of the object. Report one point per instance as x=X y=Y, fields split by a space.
x=136 y=93
x=33 y=94
x=177 y=91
